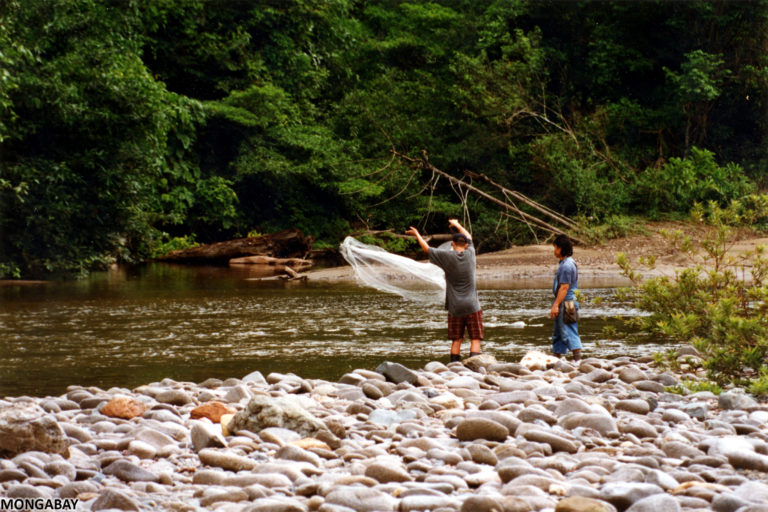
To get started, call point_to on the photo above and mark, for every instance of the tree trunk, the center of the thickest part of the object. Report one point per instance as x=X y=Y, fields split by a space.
x=290 y=243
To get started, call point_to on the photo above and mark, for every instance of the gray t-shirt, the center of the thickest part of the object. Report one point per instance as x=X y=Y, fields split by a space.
x=459 y=268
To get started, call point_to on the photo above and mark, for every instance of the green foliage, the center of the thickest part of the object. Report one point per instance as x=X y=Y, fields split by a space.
x=688 y=386
x=123 y=120
x=390 y=242
x=749 y=211
x=613 y=226
x=718 y=304
x=681 y=182
x=94 y=136
x=9 y=271
x=177 y=243
x=758 y=386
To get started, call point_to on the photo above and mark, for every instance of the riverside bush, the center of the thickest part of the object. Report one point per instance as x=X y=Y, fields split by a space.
x=719 y=303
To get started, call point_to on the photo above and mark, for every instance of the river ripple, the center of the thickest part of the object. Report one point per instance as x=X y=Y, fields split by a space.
x=134 y=326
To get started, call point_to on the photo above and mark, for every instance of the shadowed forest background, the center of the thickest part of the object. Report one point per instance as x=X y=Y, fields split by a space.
x=129 y=128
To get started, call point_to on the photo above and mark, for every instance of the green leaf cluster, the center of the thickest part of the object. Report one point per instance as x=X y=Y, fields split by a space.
x=126 y=123
x=719 y=304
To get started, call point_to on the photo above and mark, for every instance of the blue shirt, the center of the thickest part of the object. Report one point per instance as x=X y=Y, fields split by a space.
x=567 y=273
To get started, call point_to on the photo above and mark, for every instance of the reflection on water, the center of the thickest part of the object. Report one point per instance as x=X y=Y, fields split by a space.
x=134 y=326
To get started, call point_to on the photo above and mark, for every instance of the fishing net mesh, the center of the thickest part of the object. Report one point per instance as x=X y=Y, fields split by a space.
x=391 y=273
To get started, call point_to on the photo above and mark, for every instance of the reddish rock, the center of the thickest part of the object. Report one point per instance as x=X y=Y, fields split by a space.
x=123 y=407
x=211 y=410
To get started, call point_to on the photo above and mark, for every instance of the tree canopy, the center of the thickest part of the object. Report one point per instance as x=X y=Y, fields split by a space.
x=125 y=124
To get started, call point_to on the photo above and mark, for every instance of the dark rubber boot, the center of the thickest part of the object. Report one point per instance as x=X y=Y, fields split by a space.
x=455 y=357
x=473 y=354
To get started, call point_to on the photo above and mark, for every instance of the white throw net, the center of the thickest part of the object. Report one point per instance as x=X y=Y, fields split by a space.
x=387 y=272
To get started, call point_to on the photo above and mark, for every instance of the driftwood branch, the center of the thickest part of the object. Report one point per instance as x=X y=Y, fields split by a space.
x=295 y=264
x=424 y=163
x=290 y=243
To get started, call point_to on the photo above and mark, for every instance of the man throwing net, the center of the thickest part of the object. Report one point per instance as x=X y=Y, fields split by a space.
x=464 y=311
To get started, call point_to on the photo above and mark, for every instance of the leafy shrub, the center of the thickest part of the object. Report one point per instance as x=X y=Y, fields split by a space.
x=681 y=182
x=174 y=244
x=389 y=242
x=687 y=386
x=719 y=304
x=613 y=226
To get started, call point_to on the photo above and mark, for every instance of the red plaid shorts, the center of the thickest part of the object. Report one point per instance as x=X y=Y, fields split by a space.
x=473 y=323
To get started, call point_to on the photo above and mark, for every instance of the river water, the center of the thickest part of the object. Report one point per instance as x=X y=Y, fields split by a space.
x=133 y=326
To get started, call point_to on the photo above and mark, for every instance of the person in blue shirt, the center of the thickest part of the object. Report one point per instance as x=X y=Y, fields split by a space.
x=565 y=336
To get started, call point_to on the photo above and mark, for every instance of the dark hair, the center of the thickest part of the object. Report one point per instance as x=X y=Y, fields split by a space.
x=460 y=239
x=565 y=245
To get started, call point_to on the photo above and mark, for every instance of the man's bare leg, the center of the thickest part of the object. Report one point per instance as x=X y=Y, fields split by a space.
x=456 y=350
x=474 y=348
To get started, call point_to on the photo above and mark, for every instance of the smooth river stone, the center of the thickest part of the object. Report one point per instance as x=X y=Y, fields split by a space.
x=735 y=400
x=636 y=406
x=385 y=472
x=597 y=376
x=570 y=405
x=482 y=503
x=293 y=452
x=174 y=397
x=158 y=440
x=209 y=477
x=362 y=499
x=656 y=503
x=226 y=460
x=538 y=435
x=276 y=504
x=12 y=474
x=583 y=504
x=630 y=374
x=740 y=453
x=624 y=494
x=649 y=385
x=62 y=468
x=424 y=503
x=268 y=480
x=141 y=449
x=111 y=499
x=397 y=373
x=481 y=428
x=481 y=454
x=679 y=450
x=533 y=413
x=507 y=419
x=599 y=422
x=129 y=472
x=464 y=383
x=638 y=427
x=513 y=397
x=206 y=435
x=674 y=416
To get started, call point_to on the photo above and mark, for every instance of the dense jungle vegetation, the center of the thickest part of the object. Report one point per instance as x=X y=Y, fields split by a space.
x=130 y=127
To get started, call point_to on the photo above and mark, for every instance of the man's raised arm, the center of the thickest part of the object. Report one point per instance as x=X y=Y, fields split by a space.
x=415 y=232
x=455 y=223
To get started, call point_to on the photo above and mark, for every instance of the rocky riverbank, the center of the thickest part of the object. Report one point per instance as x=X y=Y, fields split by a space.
x=480 y=436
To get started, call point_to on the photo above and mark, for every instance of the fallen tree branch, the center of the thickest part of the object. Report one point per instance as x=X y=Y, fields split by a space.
x=424 y=163
x=290 y=243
